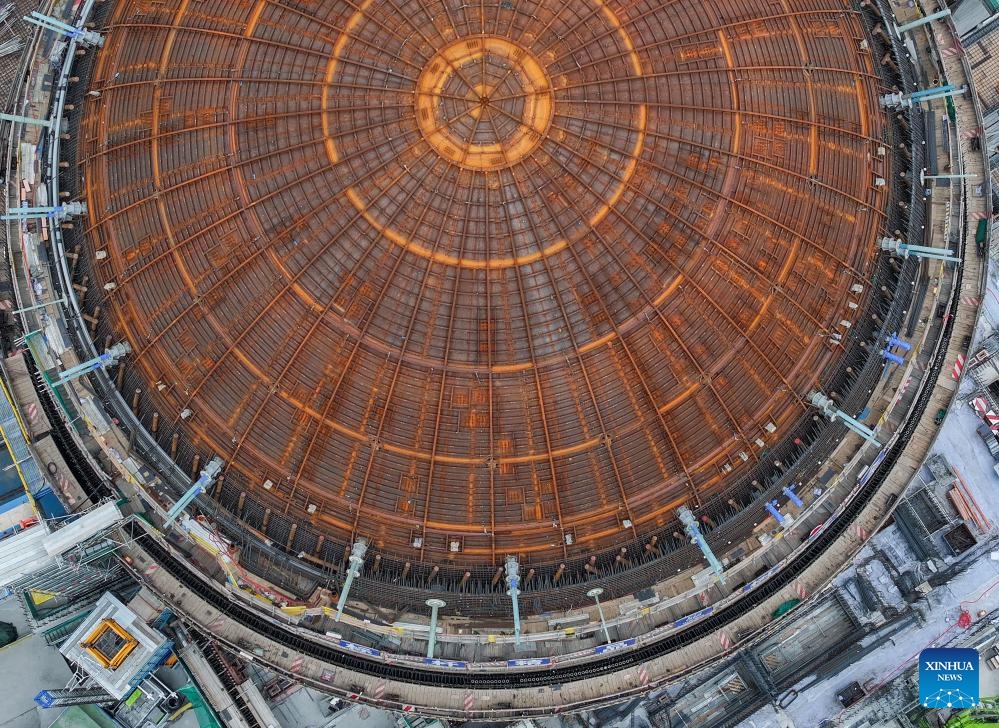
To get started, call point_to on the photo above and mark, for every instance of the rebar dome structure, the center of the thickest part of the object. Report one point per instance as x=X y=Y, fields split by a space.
x=475 y=278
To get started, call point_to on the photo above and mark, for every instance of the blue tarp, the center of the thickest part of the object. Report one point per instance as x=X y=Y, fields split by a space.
x=48 y=504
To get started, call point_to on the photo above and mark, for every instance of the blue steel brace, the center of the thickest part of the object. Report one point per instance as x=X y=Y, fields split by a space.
x=697 y=538
x=793 y=497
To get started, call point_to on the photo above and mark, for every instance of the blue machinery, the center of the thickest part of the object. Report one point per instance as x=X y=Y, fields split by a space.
x=829 y=410
x=696 y=537
x=772 y=508
x=893 y=342
x=513 y=582
x=204 y=481
x=356 y=560
x=793 y=497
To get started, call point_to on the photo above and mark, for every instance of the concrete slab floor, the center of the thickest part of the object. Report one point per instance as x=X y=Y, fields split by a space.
x=11 y=611
x=26 y=667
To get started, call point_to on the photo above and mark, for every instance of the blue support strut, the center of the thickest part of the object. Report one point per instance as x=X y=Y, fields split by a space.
x=696 y=537
x=203 y=483
x=793 y=497
x=771 y=506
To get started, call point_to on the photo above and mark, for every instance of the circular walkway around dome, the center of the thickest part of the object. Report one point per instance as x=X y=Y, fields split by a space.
x=468 y=279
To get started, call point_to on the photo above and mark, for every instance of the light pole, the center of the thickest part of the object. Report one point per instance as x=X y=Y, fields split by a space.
x=434 y=605
x=595 y=593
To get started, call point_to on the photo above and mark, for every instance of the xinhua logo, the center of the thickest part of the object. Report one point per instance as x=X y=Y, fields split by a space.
x=948 y=678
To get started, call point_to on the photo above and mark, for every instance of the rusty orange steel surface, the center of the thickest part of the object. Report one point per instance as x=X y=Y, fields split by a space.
x=480 y=272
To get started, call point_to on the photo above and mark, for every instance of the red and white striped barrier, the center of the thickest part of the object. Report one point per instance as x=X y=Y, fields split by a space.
x=979 y=405
x=799 y=589
x=469 y=702
x=643 y=675
x=958 y=367
x=861 y=532
x=379 y=690
x=408 y=709
x=971 y=300
x=992 y=420
x=152 y=569
x=702 y=597
x=725 y=640
x=905 y=385
x=32 y=412
x=296 y=664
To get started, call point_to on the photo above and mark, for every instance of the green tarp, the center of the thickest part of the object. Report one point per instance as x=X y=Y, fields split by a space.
x=206 y=718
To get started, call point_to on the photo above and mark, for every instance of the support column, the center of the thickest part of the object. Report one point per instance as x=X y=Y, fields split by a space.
x=923 y=176
x=356 y=560
x=434 y=605
x=57 y=302
x=594 y=594
x=57 y=212
x=82 y=35
x=922 y=21
x=904 y=250
x=25 y=120
x=829 y=410
x=203 y=483
x=108 y=358
x=696 y=537
x=907 y=100
x=513 y=582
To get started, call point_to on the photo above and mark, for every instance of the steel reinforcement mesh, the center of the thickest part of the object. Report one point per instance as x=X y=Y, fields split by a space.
x=848 y=374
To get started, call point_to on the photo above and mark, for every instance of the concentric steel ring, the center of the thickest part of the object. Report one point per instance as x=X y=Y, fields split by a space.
x=467 y=278
x=455 y=113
